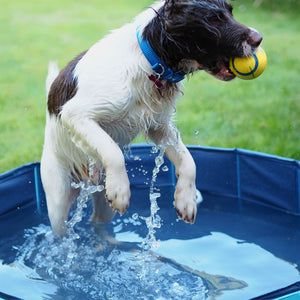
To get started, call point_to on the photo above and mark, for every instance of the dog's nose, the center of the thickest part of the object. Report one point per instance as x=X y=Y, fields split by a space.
x=254 y=38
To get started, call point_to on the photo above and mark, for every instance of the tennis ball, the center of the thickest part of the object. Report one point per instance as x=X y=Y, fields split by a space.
x=249 y=67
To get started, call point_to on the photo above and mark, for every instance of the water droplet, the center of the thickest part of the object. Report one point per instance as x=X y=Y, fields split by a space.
x=154 y=149
x=159 y=160
x=71 y=255
x=242 y=8
x=199 y=198
x=165 y=168
x=135 y=216
x=100 y=188
x=93 y=189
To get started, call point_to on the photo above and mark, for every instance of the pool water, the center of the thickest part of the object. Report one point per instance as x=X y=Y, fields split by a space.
x=229 y=253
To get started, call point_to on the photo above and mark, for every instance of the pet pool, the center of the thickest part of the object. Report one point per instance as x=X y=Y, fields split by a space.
x=245 y=243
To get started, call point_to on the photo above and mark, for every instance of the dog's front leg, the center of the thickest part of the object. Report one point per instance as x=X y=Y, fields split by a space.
x=87 y=134
x=185 y=169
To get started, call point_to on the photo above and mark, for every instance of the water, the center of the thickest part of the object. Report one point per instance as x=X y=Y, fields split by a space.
x=142 y=256
x=104 y=270
x=87 y=188
x=154 y=220
x=92 y=263
x=224 y=255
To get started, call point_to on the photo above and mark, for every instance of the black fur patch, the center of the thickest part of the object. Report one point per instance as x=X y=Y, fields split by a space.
x=64 y=87
x=201 y=30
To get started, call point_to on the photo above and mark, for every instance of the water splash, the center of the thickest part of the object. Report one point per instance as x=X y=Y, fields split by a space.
x=101 y=270
x=154 y=220
x=86 y=188
x=96 y=268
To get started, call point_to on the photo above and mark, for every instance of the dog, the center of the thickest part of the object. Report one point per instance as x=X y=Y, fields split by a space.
x=127 y=83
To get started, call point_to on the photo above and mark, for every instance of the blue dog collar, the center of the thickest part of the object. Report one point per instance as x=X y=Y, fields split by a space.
x=160 y=68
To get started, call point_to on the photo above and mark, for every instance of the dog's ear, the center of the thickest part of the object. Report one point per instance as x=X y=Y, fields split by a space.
x=171 y=7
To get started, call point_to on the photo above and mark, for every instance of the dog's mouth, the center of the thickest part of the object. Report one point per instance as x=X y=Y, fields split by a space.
x=220 y=69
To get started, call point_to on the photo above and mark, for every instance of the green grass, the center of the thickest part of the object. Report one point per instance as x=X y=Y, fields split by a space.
x=262 y=114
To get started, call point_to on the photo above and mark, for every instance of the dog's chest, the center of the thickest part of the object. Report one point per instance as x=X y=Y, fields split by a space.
x=135 y=117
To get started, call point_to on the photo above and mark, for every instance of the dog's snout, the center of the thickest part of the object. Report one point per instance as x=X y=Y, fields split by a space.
x=255 y=38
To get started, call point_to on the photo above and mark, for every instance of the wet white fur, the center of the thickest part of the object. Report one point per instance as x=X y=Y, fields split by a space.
x=114 y=102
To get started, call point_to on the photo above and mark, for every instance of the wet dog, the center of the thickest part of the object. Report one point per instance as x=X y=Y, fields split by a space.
x=128 y=83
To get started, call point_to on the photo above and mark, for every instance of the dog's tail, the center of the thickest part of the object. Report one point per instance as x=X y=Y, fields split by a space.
x=53 y=71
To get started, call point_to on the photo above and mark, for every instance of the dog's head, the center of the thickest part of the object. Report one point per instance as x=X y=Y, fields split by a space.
x=203 y=32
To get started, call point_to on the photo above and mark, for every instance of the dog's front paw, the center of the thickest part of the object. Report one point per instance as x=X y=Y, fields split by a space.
x=118 y=192
x=185 y=203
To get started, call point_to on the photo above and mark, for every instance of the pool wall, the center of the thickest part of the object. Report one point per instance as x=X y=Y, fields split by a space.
x=240 y=175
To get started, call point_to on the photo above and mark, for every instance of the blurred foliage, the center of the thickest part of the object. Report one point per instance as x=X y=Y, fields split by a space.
x=287 y=6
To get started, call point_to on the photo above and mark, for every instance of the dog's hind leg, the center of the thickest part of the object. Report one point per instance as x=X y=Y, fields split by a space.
x=59 y=194
x=102 y=212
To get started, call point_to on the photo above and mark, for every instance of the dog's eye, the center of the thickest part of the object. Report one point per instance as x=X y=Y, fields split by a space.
x=221 y=16
x=218 y=17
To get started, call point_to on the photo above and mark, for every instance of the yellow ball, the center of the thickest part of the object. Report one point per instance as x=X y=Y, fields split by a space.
x=249 y=67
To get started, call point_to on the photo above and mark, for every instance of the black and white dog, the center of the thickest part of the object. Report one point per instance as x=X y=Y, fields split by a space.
x=127 y=83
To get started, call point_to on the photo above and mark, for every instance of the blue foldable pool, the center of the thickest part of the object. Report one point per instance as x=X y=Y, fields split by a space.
x=245 y=243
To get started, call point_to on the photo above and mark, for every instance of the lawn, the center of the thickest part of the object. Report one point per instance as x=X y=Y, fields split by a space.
x=262 y=114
